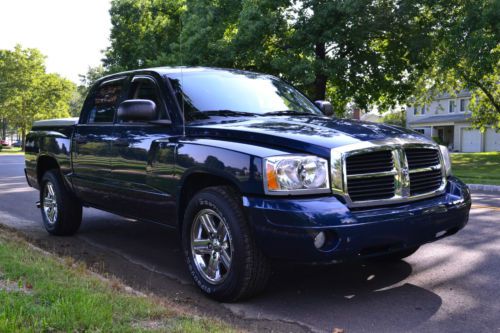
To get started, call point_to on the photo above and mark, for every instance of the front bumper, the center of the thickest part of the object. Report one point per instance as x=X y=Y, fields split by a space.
x=285 y=227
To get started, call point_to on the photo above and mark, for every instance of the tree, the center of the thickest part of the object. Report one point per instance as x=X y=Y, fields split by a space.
x=28 y=93
x=361 y=51
x=466 y=55
x=142 y=34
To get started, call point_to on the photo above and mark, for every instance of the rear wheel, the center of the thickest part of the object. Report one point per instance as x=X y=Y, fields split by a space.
x=61 y=211
x=219 y=247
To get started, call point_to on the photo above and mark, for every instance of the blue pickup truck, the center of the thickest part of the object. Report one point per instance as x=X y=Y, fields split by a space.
x=247 y=169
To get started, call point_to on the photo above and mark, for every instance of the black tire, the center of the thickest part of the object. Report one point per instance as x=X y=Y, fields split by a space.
x=249 y=269
x=398 y=255
x=68 y=216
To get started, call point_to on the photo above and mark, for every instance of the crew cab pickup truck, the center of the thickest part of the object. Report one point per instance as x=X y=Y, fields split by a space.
x=248 y=170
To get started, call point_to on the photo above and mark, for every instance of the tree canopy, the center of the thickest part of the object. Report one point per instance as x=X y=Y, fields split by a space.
x=27 y=92
x=363 y=52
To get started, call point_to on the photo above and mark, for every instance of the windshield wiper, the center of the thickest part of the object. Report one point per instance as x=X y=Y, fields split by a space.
x=288 y=112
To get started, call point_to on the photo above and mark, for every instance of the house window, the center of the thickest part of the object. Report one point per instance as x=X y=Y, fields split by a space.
x=423 y=109
x=451 y=107
x=420 y=130
x=462 y=105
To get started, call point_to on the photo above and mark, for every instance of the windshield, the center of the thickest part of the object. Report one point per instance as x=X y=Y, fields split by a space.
x=234 y=93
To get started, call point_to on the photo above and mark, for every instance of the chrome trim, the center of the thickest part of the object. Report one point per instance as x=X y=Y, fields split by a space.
x=375 y=174
x=401 y=170
x=431 y=168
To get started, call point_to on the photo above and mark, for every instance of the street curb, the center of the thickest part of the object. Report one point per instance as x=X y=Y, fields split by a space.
x=482 y=187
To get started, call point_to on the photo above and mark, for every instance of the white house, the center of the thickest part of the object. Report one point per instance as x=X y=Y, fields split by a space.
x=448 y=118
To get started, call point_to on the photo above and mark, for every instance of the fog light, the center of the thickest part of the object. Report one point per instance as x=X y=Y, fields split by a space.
x=319 y=240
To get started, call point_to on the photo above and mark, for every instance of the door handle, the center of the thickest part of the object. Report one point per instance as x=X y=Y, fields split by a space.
x=121 y=143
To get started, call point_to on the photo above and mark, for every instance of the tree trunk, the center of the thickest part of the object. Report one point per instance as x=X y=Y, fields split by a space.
x=320 y=80
x=4 y=128
x=23 y=136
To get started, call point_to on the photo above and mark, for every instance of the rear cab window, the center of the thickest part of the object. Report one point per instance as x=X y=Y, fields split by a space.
x=105 y=102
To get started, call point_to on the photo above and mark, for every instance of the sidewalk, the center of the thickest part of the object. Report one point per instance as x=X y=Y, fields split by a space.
x=485 y=188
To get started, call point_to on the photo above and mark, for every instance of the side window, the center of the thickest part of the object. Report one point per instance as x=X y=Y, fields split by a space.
x=105 y=102
x=146 y=88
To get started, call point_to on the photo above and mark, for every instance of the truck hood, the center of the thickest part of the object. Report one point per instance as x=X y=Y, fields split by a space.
x=306 y=133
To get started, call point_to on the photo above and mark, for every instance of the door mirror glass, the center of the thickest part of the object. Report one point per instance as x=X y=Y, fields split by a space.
x=325 y=107
x=140 y=110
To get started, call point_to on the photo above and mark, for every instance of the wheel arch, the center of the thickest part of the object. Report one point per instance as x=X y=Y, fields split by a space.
x=45 y=163
x=198 y=180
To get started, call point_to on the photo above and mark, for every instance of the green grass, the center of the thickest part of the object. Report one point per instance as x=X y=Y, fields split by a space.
x=41 y=294
x=477 y=168
x=11 y=150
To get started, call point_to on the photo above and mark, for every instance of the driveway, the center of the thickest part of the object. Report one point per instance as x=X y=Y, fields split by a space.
x=452 y=285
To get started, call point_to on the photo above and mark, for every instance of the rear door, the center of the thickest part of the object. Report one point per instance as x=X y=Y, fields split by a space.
x=135 y=148
x=92 y=142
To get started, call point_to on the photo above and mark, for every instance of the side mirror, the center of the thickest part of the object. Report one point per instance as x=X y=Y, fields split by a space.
x=142 y=110
x=325 y=107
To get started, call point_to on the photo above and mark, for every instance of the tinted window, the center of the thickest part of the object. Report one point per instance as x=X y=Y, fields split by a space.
x=105 y=102
x=238 y=91
x=144 y=88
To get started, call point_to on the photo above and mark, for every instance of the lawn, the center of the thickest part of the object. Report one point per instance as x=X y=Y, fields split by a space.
x=10 y=150
x=477 y=168
x=41 y=293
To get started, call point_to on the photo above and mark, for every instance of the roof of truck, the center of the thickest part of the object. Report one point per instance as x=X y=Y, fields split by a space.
x=166 y=70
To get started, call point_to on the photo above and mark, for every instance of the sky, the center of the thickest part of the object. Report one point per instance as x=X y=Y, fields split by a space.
x=70 y=33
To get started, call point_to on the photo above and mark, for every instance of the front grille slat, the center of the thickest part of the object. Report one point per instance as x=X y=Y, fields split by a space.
x=426 y=181
x=375 y=185
x=371 y=188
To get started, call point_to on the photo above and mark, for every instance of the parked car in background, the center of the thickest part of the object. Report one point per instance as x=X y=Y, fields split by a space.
x=248 y=170
x=5 y=142
x=17 y=144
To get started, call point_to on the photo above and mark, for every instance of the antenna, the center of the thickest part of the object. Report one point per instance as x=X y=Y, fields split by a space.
x=182 y=78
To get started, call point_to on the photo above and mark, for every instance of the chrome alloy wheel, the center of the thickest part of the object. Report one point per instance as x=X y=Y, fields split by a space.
x=211 y=247
x=49 y=203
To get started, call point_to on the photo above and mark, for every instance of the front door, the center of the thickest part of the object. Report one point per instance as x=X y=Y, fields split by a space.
x=91 y=144
x=135 y=148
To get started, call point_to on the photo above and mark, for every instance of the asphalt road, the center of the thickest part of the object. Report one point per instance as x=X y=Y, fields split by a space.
x=449 y=286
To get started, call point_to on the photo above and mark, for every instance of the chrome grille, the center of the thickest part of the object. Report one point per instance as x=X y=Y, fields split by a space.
x=377 y=161
x=421 y=157
x=367 y=177
x=374 y=188
x=426 y=181
x=425 y=172
x=385 y=172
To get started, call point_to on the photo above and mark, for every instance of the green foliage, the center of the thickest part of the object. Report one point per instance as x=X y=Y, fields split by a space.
x=466 y=55
x=362 y=51
x=144 y=33
x=27 y=92
x=395 y=118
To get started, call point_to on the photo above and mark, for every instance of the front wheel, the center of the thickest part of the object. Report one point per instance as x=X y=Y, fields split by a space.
x=219 y=247
x=61 y=211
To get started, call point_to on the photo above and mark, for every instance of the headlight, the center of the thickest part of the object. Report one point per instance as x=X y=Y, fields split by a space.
x=296 y=174
x=446 y=159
